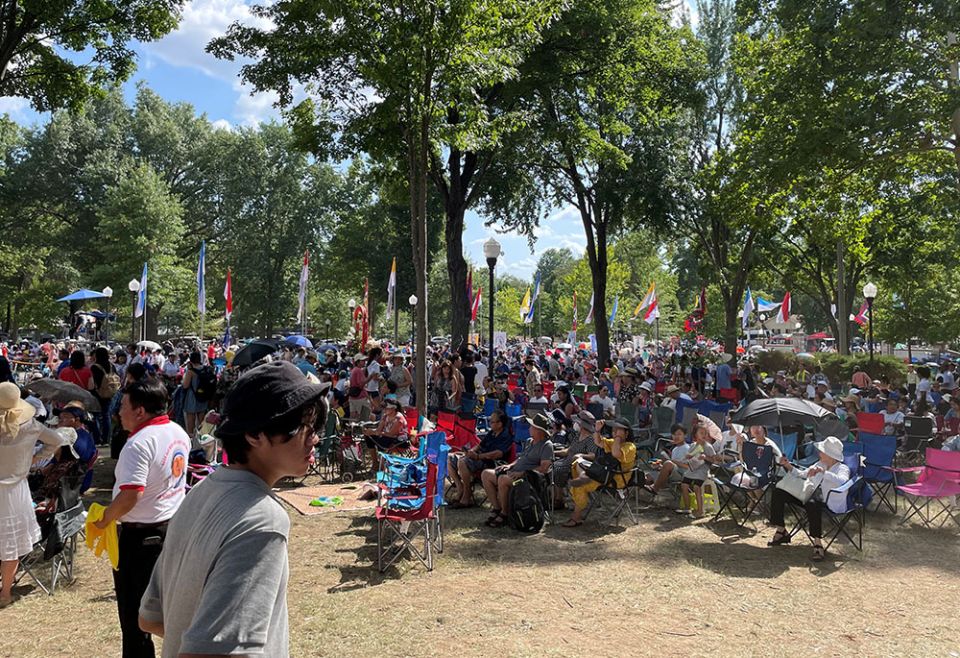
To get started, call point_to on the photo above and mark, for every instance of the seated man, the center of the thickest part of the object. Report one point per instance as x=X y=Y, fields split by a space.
x=616 y=456
x=464 y=466
x=538 y=456
x=71 y=416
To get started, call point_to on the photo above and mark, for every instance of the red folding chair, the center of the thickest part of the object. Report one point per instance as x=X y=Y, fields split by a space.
x=661 y=387
x=464 y=434
x=870 y=423
x=548 y=388
x=731 y=394
x=413 y=418
x=446 y=421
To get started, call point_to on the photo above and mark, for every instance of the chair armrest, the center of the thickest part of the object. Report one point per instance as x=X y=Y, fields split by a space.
x=842 y=490
x=908 y=469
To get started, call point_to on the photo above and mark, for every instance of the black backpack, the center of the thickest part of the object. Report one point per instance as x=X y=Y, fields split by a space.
x=206 y=383
x=526 y=507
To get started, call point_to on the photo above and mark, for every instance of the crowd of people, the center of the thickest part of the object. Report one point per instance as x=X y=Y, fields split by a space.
x=586 y=420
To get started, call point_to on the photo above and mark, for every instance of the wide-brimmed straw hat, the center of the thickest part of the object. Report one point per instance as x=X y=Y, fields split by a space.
x=13 y=410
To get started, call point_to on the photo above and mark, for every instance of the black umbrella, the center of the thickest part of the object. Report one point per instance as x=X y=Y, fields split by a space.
x=772 y=412
x=56 y=390
x=256 y=350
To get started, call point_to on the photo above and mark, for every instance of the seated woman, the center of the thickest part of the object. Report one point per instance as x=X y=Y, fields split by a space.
x=465 y=466
x=45 y=483
x=390 y=433
x=566 y=403
x=614 y=460
x=579 y=444
x=758 y=436
x=834 y=473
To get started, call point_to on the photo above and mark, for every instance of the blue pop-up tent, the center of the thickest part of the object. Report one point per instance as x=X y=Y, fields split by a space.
x=81 y=295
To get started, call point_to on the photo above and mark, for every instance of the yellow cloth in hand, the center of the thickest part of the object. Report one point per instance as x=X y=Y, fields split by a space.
x=102 y=540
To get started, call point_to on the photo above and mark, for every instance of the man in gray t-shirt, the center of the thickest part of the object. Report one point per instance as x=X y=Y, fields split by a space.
x=220 y=584
x=538 y=456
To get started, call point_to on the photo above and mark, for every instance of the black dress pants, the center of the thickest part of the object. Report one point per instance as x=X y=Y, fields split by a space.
x=139 y=549
x=814 y=511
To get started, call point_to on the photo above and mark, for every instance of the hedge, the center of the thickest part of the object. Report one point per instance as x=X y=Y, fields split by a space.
x=837 y=368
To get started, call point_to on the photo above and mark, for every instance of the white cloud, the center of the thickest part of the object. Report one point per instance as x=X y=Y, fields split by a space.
x=203 y=21
x=14 y=106
x=565 y=214
x=254 y=108
x=222 y=124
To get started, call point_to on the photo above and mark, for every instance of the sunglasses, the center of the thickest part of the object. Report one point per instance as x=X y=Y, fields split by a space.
x=306 y=427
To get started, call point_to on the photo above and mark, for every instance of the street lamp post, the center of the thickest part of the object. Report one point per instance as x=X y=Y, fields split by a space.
x=870 y=293
x=108 y=293
x=328 y=329
x=413 y=324
x=352 y=304
x=491 y=251
x=134 y=288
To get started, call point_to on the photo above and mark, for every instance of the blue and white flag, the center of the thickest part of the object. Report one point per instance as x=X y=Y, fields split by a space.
x=201 y=279
x=533 y=301
x=142 y=295
x=747 y=308
x=764 y=306
x=613 y=313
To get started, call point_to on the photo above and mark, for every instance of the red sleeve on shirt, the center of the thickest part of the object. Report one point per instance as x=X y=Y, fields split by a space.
x=131 y=487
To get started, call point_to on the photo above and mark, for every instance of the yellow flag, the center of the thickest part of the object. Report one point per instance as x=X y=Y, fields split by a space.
x=525 y=304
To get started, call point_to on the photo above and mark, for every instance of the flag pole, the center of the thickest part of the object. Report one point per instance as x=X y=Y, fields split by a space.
x=396 y=319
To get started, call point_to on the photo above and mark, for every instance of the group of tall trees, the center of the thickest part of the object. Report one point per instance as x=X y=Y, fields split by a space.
x=765 y=143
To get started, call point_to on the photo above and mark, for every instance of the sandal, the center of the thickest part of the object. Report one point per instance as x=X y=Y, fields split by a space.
x=819 y=553
x=571 y=524
x=780 y=538
x=497 y=522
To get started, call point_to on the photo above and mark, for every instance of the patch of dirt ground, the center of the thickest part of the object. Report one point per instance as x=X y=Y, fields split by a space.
x=667 y=586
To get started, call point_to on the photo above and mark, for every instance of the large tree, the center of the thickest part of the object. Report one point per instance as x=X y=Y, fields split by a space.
x=601 y=91
x=43 y=44
x=381 y=76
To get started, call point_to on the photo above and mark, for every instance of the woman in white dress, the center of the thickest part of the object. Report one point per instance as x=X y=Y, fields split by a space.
x=19 y=434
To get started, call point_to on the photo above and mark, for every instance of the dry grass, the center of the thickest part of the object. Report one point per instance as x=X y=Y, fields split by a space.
x=667 y=586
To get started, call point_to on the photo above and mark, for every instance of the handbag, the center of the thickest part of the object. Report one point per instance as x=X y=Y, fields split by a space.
x=800 y=488
x=603 y=468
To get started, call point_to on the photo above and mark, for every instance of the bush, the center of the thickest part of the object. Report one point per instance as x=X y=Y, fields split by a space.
x=837 y=368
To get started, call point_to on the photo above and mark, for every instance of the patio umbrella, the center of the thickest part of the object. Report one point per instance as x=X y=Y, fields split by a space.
x=256 y=350
x=81 y=295
x=805 y=355
x=149 y=344
x=55 y=390
x=299 y=341
x=771 y=412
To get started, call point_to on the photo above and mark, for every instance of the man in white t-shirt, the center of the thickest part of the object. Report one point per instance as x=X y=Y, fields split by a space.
x=150 y=484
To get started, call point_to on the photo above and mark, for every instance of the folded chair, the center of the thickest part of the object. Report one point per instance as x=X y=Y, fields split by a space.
x=878 y=455
x=786 y=442
x=849 y=498
x=939 y=481
x=871 y=423
x=747 y=497
x=58 y=544
x=407 y=512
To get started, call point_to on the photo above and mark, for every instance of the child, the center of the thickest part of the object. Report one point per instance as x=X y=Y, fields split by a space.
x=670 y=464
x=697 y=460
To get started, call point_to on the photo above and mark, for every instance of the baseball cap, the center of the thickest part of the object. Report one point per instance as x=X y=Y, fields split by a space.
x=264 y=394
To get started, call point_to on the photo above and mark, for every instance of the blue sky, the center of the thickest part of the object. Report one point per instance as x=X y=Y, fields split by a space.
x=178 y=69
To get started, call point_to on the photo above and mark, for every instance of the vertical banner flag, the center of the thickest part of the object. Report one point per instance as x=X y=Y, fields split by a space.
x=302 y=296
x=648 y=299
x=142 y=295
x=747 y=308
x=533 y=301
x=574 y=314
x=228 y=296
x=590 y=312
x=201 y=279
x=613 y=314
x=470 y=289
x=653 y=311
x=525 y=305
x=764 y=306
x=476 y=305
x=861 y=317
x=392 y=289
x=783 y=315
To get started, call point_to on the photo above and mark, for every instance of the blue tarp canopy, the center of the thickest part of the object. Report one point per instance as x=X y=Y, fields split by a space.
x=81 y=295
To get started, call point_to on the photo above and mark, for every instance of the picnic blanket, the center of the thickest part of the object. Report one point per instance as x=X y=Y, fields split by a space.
x=301 y=497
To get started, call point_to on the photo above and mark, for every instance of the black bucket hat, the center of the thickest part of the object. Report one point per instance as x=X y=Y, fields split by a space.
x=264 y=394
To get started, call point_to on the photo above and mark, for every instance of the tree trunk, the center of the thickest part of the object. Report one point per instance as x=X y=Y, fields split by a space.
x=731 y=324
x=597 y=256
x=457 y=267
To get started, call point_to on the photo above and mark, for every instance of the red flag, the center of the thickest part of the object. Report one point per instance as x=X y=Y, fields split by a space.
x=861 y=317
x=783 y=315
x=476 y=305
x=228 y=295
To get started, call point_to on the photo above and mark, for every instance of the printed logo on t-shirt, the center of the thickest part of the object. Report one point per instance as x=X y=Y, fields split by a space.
x=178 y=467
